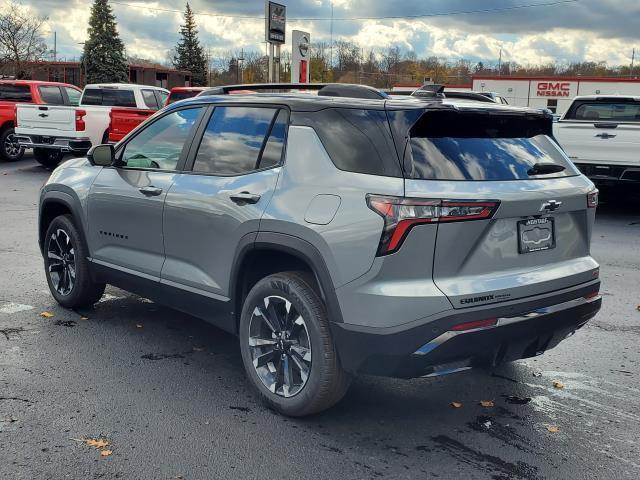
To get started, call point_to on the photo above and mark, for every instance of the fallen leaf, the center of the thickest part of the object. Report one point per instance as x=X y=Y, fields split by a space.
x=456 y=404
x=105 y=453
x=638 y=308
x=96 y=442
x=46 y=314
x=558 y=384
x=84 y=318
x=138 y=325
x=552 y=428
x=487 y=403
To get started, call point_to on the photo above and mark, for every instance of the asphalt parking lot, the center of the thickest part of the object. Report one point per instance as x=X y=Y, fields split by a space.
x=167 y=391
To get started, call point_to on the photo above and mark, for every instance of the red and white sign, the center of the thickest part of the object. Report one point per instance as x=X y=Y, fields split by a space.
x=553 y=89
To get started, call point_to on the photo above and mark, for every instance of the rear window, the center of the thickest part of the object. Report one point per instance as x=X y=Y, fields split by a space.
x=110 y=97
x=177 y=96
x=460 y=146
x=15 y=93
x=51 y=95
x=609 y=111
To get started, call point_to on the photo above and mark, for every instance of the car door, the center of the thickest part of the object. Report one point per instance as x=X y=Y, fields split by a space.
x=125 y=202
x=211 y=210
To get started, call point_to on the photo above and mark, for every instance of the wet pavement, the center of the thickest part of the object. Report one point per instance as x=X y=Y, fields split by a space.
x=168 y=392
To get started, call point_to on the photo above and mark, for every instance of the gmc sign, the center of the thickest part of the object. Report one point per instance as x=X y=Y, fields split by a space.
x=553 y=89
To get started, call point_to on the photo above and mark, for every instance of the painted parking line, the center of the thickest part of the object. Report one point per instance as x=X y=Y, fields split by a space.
x=12 y=307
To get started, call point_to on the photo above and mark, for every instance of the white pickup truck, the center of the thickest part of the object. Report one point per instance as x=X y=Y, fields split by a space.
x=601 y=135
x=53 y=131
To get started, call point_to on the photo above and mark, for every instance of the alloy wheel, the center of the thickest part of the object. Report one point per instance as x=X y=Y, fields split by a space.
x=11 y=146
x=280 y=346
x=62 y=262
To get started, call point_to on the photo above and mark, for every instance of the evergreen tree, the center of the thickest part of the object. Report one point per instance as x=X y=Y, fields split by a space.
x=189 y=55
x=103 y=57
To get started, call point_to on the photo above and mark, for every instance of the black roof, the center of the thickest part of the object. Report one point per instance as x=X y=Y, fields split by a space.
x=309 y=102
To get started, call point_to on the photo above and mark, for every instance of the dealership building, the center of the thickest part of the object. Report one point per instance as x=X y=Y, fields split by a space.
x=554 y=93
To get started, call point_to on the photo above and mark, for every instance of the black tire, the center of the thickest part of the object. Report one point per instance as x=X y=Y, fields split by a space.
x=326 y=382
x=81 y=291
x=48 y=157
x=10 y=150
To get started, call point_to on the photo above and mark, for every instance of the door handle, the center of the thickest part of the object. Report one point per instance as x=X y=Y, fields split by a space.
x=150 y=191
x=605 y=135
x=244 y=198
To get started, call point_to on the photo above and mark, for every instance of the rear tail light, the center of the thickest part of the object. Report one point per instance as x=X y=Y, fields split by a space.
x=461 y=327
x=80 y=126
x=592 y=199
x=402 y=214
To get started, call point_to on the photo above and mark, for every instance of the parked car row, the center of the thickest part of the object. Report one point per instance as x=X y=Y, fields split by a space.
x=55 y=118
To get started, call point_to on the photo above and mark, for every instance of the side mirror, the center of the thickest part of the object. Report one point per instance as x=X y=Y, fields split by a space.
x=102 y=155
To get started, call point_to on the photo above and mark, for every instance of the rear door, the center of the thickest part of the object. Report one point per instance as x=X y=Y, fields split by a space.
x=602 y=132
x=210 y=211
x=537 y=239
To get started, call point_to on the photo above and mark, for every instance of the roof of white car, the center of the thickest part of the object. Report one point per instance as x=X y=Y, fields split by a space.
x=598 y=97
x=124 y=85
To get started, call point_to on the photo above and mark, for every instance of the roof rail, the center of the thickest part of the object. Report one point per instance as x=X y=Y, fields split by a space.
x=324 y=89
x=432 y=90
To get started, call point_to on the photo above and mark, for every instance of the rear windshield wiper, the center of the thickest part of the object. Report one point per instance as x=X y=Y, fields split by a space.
x=545 y=169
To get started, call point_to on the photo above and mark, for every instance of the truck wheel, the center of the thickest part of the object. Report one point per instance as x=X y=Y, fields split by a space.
x=10 y=149
x=47 y=157
x=67 y=267
x=286 y=346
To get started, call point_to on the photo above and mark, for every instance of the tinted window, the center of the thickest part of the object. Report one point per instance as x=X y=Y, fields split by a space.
x=111 y=97
x=181 y=95
x=150 y=99
x=272 y=153
x=15 y=93
x=356 y=140
x=233 y=140
x=74 y=95
x=160 y=144
x=617 y=112
x=51 y=95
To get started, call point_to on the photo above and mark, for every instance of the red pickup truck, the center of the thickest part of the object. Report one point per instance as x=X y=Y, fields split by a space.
x=13 y=92
x=123 y=120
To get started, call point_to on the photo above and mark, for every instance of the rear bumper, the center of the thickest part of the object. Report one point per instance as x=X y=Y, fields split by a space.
x=431 y=348
x=611 y=175
x=64 y=144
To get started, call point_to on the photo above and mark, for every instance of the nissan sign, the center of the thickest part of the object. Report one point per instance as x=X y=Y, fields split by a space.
x=276 y=22
x=553 y=89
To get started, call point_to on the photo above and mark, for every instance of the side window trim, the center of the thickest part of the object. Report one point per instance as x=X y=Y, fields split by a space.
x=186 y=148
x=188 y=168
x=266 y=139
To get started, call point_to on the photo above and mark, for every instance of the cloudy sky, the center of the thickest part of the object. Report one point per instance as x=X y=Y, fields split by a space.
x=592 y=30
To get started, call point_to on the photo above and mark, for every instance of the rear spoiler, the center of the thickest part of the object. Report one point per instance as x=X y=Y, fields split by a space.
x=323 y=89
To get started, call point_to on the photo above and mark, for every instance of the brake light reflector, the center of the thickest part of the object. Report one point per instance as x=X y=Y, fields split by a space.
x=489 y=322
x=80 y=125
x=401 y=214
x=592 y=199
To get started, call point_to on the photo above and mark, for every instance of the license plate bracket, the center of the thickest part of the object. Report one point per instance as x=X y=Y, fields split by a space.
x=536 y=235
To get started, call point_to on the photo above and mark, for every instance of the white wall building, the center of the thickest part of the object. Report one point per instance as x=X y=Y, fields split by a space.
x=554 y=93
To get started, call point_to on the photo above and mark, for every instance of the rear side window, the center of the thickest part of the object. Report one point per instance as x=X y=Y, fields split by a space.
x=110 y=97
x=15 y=93
x=615 y=112
x=233 y=140
x=272 y=153
x=357 y=140
x=150 y=99
x=74 y=95
x=51 y=95
x=458 y=146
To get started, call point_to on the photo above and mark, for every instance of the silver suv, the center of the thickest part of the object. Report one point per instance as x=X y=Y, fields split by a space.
x=335 y=234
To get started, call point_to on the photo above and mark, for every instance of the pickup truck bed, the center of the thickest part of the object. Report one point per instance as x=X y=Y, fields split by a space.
x=124 y=120
x=601 y=135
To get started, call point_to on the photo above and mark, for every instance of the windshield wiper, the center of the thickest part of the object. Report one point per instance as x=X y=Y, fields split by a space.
x=545 y=169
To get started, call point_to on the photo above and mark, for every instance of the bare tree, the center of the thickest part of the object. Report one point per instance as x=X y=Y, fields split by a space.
x=21 y=39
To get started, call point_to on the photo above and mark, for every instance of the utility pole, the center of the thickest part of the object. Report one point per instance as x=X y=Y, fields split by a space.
x=55 y=46
x=633 y=58
x=331 y=40
x=500 y=62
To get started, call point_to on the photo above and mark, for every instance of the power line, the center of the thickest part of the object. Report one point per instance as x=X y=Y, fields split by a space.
x=345 y=19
